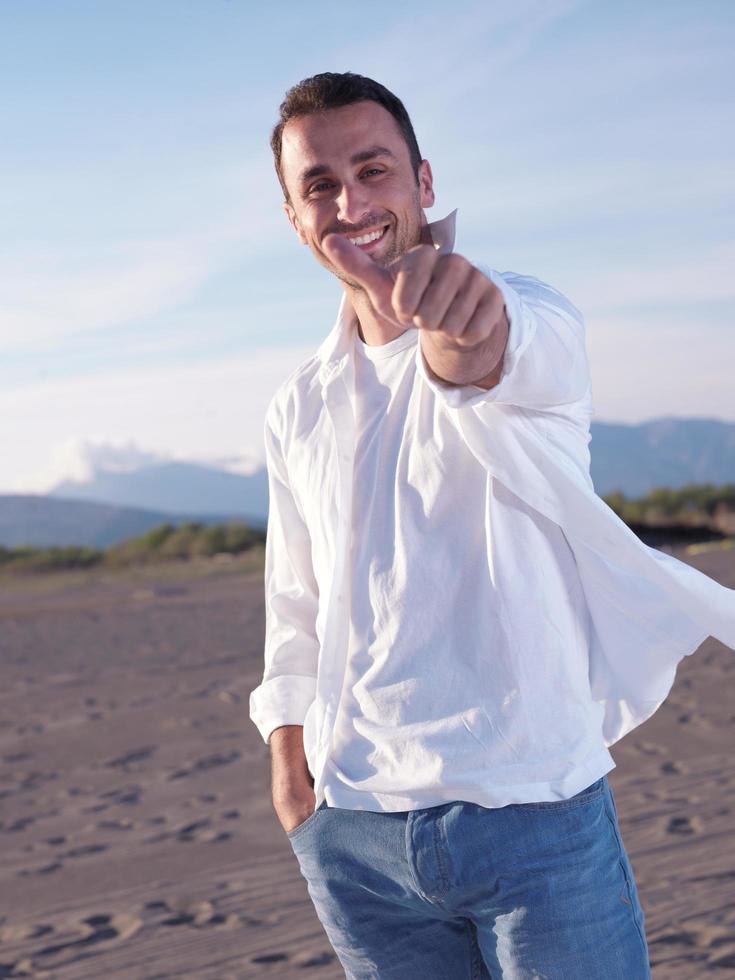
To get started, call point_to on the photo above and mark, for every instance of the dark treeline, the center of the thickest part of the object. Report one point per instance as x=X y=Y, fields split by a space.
x=163 y=543
x=693 y=503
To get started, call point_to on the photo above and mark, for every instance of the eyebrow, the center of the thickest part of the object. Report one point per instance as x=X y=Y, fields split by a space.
x=361 y=157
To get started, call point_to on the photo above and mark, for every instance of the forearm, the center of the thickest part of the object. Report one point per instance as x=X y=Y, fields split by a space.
x=289 y=769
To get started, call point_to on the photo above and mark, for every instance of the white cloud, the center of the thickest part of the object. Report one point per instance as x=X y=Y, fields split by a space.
x=81 y=459
x=208 y=411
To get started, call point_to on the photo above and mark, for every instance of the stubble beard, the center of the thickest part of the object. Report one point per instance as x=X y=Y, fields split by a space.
x=401 y=243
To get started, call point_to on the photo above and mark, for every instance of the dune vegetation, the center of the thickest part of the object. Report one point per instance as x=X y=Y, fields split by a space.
x=164 y=543
x=695 y=508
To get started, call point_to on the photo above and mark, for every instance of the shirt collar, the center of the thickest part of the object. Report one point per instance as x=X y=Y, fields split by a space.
x=339 y=342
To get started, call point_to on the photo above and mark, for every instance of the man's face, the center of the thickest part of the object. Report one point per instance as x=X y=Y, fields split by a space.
x=348 y=171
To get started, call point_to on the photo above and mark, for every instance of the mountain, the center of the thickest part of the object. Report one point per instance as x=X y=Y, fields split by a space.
x=113 y=505
x=175 y=488
x=44 y=522
x=666 y=452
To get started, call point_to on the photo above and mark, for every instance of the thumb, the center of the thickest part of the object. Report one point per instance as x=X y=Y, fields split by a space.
x=377 y=281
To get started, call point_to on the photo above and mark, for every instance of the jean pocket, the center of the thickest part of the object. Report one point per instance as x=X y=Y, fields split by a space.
x=308 y=822
x=588 y=795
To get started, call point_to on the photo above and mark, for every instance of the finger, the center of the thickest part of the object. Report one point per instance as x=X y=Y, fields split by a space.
x=413 y=275
x=357 y=265
x=483 y=320
x=448 y=284
x=464 y=304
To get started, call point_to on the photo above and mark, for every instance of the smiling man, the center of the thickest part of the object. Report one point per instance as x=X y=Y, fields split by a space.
x=457 y=627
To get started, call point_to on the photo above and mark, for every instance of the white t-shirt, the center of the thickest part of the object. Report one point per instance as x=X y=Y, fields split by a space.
x=442 y=698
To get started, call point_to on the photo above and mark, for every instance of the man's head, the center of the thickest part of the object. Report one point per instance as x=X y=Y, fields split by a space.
x=348 y=162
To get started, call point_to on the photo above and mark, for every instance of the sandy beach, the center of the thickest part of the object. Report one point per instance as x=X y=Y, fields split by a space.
x=138 y=836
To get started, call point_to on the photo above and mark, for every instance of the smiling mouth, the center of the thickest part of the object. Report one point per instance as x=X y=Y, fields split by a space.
x=368 y=239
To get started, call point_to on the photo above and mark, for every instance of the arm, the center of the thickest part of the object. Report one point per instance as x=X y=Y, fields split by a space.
x=544 y=371
x=544 y=361
x=279 y=704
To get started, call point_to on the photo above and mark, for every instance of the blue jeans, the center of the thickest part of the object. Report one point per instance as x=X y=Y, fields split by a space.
x=528 y=891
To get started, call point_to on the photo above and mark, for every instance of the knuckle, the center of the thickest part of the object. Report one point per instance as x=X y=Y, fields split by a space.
x=455 y=263
x=426 y=321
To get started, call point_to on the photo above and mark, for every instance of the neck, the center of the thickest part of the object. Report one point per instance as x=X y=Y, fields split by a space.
x=373 y=329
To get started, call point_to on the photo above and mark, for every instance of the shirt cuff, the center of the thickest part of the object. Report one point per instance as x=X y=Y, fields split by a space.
x=282 y=700
x=521 y=331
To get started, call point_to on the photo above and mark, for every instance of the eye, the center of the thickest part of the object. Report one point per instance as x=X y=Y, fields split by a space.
x=321 y=186
x=372 y=170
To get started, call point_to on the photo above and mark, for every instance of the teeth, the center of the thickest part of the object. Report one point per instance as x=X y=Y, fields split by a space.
x=364 y=239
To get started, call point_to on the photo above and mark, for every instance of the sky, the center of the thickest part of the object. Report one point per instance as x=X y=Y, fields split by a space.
x=153 y=295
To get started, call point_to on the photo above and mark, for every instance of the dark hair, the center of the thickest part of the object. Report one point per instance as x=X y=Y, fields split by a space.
x=332 y=90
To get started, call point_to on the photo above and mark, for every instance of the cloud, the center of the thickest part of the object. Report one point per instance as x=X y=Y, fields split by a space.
x=705 y=278
x=45 y=298
x=477 y=37
x=55 y=291
x=204 y=411
x=82 y=459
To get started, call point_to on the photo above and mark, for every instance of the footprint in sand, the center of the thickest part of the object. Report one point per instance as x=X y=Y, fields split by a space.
x=130 y=758
x=269 y=958
x=300 y=959
x=45 y=869
x=23 y=931
x=649 y=748
x=200 y=831
x=128 y=795
x=684 y=825
x=197 y=914
x=674 y=768
x=688 y=717
x=207 y=762
x=100 y=928
x=84 y=850
x=124 y=823
x=704 y=936
x=20 y=824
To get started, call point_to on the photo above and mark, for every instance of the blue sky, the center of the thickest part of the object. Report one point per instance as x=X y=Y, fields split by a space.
x=152 y=294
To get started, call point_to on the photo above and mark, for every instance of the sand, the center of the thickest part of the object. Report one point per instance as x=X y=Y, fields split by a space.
x=138 y=837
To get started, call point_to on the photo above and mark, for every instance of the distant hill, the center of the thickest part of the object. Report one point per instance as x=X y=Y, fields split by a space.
x=45 y=522
x=112 y=506
x=667 y=452
x=176 y=488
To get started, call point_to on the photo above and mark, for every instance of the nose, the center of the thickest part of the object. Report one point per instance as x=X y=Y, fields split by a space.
x=352 y=202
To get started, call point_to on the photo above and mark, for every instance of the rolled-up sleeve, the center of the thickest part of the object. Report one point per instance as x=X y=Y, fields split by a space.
x=545 y=364
x=291 y=601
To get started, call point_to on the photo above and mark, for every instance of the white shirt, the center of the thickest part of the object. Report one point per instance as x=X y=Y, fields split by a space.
x=467 y=668
x=645 y=609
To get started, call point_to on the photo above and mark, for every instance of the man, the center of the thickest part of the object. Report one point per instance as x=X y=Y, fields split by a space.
x=457 y=627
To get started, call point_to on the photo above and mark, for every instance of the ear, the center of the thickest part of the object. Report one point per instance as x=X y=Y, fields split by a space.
x=426 y=184
x=294 y=222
